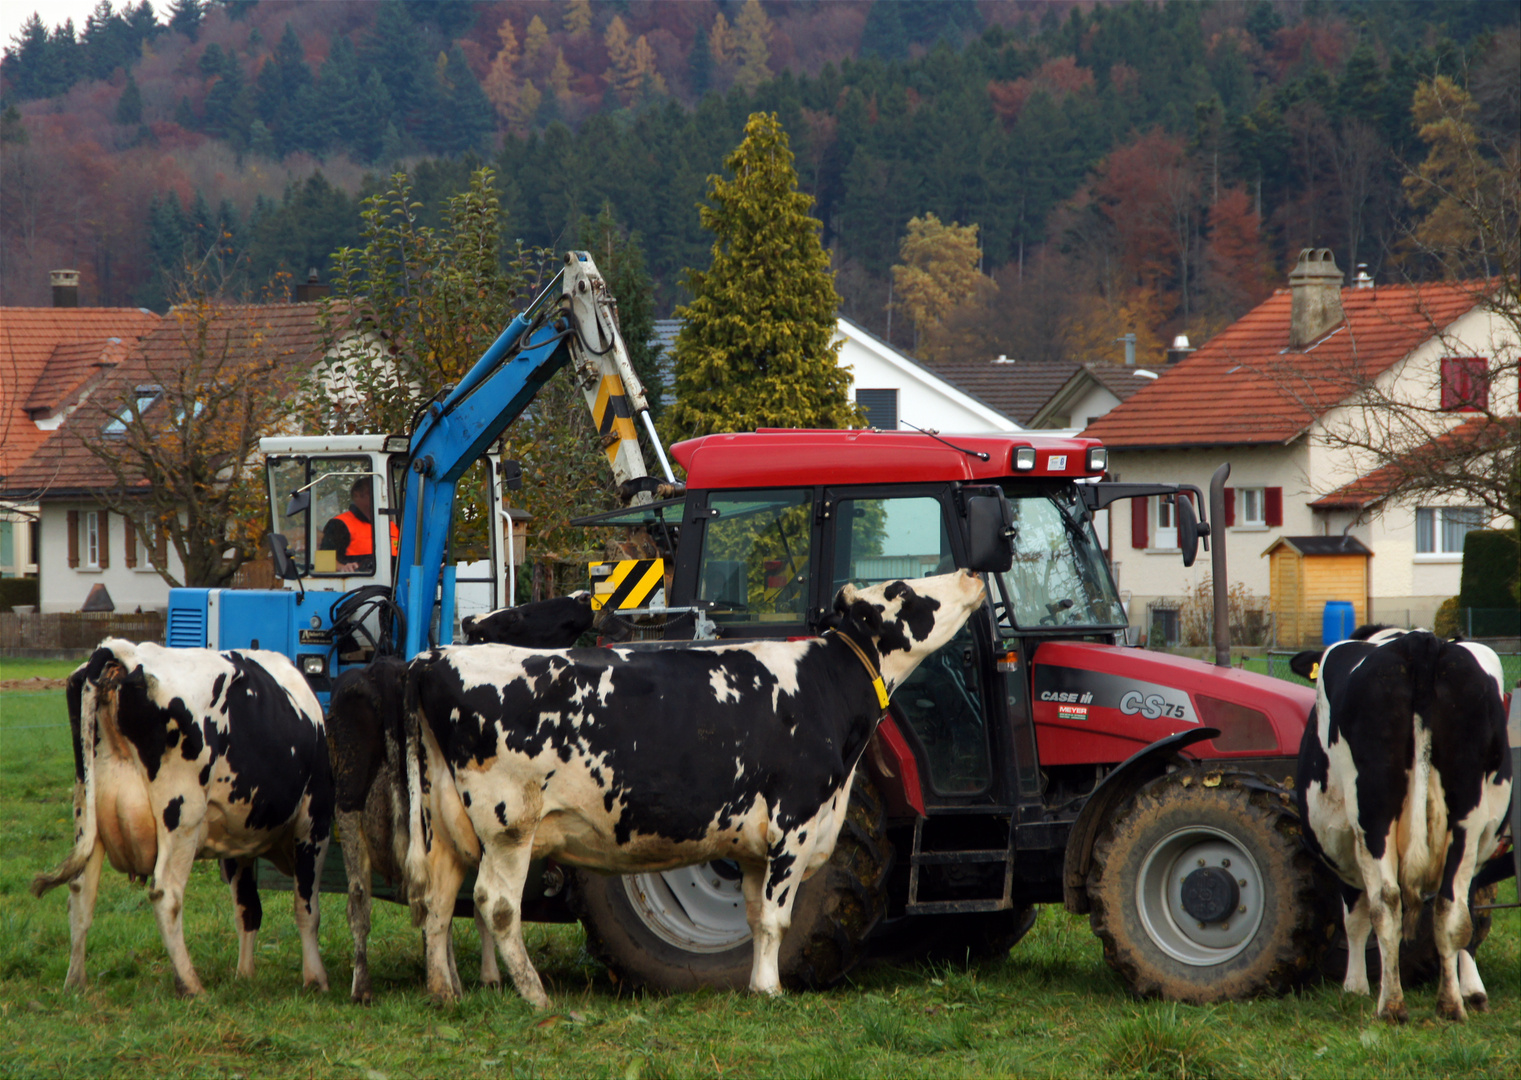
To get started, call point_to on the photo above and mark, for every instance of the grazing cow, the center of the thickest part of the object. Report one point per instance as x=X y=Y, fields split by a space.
x=185 y=754
x=365 y=738
x=630 y=760
x=547 y=624
x=1403 y=783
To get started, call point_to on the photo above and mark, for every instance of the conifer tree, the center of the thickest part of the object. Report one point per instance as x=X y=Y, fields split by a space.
x=535 y=40
x=578 y=18
x=752 y=46
x=501 y=84
x=129 y=107
x=757 y=345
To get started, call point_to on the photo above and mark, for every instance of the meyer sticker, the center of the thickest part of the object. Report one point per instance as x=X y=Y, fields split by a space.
x=1072 y=712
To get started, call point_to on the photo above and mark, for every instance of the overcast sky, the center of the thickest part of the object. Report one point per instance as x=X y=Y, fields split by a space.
x=54 y=12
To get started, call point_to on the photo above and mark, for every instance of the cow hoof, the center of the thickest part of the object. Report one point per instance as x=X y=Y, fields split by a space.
x=76 y=982
x=187 y=989
x=1395 y=1014
x=1477 y=1002
x=1451 y=1010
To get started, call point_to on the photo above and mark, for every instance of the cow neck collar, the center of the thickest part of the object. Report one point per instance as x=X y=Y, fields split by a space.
x=871 y=669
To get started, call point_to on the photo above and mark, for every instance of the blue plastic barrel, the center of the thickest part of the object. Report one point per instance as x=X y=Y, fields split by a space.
x=1338 y=622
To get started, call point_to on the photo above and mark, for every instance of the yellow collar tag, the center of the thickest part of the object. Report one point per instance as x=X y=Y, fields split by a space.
x=1315 y=671
x=881 y=692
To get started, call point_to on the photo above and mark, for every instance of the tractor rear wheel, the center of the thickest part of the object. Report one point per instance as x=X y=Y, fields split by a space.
x=1201 y=891
x=686 y=928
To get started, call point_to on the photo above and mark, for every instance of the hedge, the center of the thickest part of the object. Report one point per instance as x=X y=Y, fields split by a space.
x=17 y=590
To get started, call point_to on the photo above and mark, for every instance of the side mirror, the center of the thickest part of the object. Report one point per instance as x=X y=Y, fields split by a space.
x=990 y=528
x=279 y=552
x=1188 y=529
x=512 y=475
x=300 y=502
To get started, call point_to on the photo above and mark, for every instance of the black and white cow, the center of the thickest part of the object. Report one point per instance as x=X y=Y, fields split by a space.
x=546 y=624
x=365 y=737
x=632 y=760
x=185 y=754
x=1403 y=784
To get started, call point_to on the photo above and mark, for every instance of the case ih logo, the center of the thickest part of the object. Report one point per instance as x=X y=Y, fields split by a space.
x=1073 y=696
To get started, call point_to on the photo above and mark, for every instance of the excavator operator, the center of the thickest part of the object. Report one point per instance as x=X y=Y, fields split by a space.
x=352 y=533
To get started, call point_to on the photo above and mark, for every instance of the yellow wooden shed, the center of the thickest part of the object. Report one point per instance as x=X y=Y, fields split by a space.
x=1307 y=571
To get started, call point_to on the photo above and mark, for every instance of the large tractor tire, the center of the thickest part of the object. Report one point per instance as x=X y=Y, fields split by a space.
x=686 y=928
x=1201 y=891
x=1420 y=964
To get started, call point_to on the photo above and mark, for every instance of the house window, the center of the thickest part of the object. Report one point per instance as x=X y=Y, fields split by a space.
x=146 y=396
x=1439 y=530
x=881 y=408
x=1465 y=383
x=1252 y=507
x=1166 y=534
x=92 y=539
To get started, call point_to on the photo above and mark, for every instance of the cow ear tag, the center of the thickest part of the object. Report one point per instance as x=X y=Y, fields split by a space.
x=1315 y=671
x=881 y=690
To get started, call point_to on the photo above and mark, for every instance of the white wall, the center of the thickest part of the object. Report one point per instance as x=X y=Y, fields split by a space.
x=1094 y=403
x=65 y=589
x=924 y=399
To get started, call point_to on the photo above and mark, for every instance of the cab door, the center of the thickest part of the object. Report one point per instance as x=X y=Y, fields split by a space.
x=876 y=535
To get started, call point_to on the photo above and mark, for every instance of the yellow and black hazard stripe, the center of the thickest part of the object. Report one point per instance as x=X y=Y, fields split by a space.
x=628 y=583
x=612 y=414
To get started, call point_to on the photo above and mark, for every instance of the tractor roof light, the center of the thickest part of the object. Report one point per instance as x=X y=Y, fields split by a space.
x=1024 y=458
x=1098 y=459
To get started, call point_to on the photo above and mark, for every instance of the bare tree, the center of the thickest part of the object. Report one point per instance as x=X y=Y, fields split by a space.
x=178 y=425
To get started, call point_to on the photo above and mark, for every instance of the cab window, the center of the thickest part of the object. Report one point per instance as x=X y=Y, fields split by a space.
x=755 y=557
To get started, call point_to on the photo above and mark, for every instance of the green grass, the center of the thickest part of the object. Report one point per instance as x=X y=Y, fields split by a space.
x=1052 y=1009
x=36 y=669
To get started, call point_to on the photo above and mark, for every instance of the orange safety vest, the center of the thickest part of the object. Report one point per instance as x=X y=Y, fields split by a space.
x=362 y=535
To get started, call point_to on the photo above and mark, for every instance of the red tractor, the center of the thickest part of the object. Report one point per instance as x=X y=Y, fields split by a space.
x=1033 y=760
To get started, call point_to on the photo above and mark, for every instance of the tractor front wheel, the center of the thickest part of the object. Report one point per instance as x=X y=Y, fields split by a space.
x=1201 y=891
x=686 y=928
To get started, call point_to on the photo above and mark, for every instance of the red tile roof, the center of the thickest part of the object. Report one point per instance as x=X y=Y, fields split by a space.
x=28 y=338
x=63 y=464
x=70 y=366
x=1016 y=389
x=1473 y=437
x=1245 y=386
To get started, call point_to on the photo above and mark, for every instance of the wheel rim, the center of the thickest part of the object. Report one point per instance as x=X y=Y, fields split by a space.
x=1165 y=909
x=697 y=908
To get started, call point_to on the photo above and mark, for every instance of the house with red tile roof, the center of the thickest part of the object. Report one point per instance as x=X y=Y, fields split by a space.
x=83 y=544
x=1269 y=393
x=48 y=356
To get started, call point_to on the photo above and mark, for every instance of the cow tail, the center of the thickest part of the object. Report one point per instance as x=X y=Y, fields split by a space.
x=83 y=728
x=416 y=869
x=1422 y=813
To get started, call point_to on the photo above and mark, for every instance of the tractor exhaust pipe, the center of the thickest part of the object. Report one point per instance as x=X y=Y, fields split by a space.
x=1217 y=565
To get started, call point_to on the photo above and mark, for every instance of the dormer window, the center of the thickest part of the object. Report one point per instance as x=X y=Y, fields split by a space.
x=146 y=396
x=1465 y=383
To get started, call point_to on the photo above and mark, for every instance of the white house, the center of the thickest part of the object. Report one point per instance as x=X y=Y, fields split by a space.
x=896 y=391
x=1264 y=394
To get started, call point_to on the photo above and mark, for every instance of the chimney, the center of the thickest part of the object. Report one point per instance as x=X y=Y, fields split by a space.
x=1129 y=340
x=312 y=290
x=1315 y=284
x=65 y=287
x=1180 y=349
x=1363 y=280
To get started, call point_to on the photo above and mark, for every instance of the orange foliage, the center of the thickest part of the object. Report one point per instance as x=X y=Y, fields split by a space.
x=1058 y=77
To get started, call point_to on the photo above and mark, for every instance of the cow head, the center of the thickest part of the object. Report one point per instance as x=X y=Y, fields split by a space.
x=547 y=624
x=1307 y=664
x=908 y=620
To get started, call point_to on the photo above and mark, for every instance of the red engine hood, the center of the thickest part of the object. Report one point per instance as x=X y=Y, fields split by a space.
x=1098 y=704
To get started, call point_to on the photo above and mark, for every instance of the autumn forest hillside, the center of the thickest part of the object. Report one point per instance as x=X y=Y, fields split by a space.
x=1129 y=167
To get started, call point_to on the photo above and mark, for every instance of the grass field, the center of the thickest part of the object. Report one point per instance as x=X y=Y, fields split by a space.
x=1051 y=1009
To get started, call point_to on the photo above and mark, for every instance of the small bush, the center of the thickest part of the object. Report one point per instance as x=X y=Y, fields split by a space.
x=1491 y=569
x=1445 y=624
x=17 y=590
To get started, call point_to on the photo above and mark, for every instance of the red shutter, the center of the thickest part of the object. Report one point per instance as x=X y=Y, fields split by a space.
x=1230 y=507
x=1139 y=531
x=1465 y=383
x=73 y=538
x=1272 y=506
x=103 y=520
x=129 y=536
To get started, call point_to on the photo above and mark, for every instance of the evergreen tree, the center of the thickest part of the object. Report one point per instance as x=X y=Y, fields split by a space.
x=184 y=115
x=229 y=106
x=578 y=18
x=757 y=345
x=129 y=107
x=700 y=61
x=369 y=121
x=185 y=17
x=394 y=48
x=108 y=42
x=28 y=62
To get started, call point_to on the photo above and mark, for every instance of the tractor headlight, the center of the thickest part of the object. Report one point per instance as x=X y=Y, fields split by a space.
x=1098 y=459
x=313 y=664
x=1024 y=458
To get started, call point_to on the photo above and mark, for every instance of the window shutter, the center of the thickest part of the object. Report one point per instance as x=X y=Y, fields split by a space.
x=73 y=538
x=105 y=539
x=1138 y=526
x=161 y=546
x=1230 y=507
x=1465 y=383
x=1272 y=506
x=129 y=537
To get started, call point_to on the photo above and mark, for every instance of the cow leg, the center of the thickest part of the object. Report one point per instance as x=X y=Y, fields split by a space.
x=491 y=975
x=1356 y=921
x=356 y=869
x=1385 y=909
x=82 y=892
x=769 y=894
x=445 y=875
x=171 y=872
x=307 y=901
x=1469 y=983
x=242 y=878
x=499 y=898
